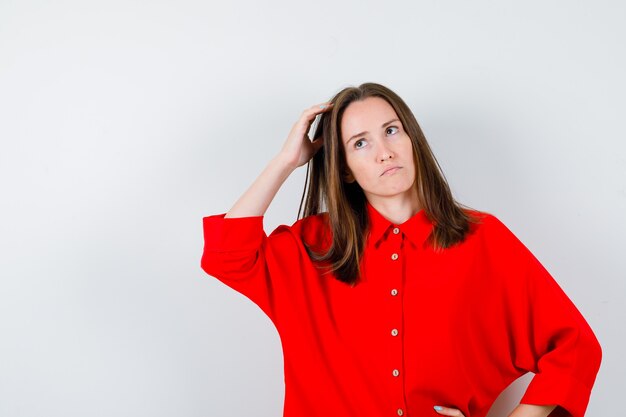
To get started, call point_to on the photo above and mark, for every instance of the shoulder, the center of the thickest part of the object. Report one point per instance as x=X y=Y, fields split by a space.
x=483 y=220
x=486 y=225
x=496 y=239
x=312 y=230
x=478 y=219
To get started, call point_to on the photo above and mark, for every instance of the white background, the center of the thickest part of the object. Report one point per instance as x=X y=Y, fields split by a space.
x=123 y=123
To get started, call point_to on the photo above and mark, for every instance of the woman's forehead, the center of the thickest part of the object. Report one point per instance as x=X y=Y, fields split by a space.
x=366 y=116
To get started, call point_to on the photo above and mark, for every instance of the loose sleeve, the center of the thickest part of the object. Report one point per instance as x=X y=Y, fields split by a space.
x=234 y=253
x=270 y=270
x=549 y=336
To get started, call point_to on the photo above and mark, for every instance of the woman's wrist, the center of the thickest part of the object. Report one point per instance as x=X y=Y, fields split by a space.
x=283 y=164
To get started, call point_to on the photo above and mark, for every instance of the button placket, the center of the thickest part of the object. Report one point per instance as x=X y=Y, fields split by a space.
x=396 y=281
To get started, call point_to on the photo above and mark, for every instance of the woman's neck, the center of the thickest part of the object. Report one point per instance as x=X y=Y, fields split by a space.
x=397 y=209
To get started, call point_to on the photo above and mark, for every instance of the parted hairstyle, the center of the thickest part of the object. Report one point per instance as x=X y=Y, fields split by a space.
x=326 y=188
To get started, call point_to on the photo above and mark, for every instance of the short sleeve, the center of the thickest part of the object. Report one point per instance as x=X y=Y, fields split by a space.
x=550 y=337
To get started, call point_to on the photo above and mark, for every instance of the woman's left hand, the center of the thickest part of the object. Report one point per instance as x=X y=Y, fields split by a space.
x=445 y=411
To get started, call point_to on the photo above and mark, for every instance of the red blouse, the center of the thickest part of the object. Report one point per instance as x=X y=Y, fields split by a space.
x=422 y=328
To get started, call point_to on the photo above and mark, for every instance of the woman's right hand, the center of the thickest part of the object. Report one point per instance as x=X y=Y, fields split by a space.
x=298 y=149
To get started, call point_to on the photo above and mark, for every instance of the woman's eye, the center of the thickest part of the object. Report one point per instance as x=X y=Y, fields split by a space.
x=391 y=127
x=359 y=143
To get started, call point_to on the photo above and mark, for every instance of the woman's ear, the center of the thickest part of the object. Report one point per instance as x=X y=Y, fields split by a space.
x=347 y=176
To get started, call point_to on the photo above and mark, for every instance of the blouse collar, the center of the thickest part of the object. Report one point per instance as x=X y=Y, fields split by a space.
x=416 y=229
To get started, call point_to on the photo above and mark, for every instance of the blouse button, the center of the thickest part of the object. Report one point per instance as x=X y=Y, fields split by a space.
x=394 y=292
x=394 y=332
x=400 y=412
x=395 y=372
x=396 y=230
x=394 y=256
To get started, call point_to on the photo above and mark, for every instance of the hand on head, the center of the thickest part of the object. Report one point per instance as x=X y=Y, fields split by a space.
x=298 y=149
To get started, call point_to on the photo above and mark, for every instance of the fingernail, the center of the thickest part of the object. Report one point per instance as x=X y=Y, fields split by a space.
x=322 y=106
x=438 y=408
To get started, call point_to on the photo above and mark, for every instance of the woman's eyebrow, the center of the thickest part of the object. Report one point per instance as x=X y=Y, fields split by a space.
x=362 y=133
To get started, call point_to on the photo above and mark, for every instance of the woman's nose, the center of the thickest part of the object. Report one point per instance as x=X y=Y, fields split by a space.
x=384 y=154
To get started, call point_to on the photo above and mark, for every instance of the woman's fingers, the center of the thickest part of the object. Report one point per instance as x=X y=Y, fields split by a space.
x=303 y=124
x=445 y=411
x=309 y=115
x=318 y=109
x=321 y=107
x=298 y=148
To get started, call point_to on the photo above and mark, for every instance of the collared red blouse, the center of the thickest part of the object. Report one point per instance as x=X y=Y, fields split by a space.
x=421 y=328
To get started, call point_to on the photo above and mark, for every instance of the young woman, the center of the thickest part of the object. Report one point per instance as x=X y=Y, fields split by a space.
x=390 y=298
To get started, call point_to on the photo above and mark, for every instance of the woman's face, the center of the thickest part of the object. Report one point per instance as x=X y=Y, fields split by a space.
x=379 y=153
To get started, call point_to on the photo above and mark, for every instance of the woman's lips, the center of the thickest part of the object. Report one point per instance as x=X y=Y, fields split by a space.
x=390 y=171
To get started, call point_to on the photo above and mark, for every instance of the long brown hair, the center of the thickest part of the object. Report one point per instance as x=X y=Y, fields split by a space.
x=326 y=188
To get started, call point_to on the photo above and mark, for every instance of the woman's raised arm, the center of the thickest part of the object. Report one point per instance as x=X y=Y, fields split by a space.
x=297 y=150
